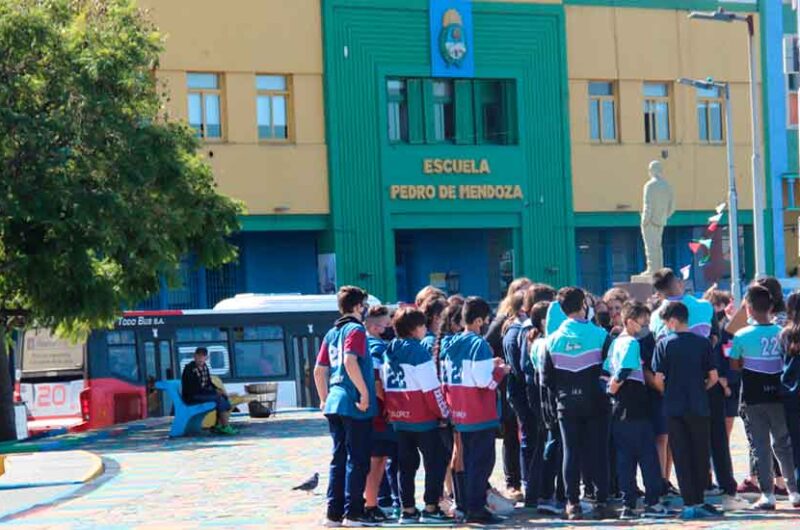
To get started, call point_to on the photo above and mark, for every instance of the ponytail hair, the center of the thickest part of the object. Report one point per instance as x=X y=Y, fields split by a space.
x=513 y=309
x=451 y=318
x=790 y=337
x=538 y=315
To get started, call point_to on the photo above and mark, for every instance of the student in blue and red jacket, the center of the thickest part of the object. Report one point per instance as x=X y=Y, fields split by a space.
x=415 y=405
x=346 y=386
x=471 y=376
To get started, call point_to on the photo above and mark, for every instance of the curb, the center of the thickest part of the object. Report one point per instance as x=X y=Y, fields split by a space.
x=94 y=469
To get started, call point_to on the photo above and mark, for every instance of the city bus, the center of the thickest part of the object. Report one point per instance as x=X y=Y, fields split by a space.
x=110 y=377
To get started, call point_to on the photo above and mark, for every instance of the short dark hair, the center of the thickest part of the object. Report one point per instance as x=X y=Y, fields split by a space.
x=349 y=297
x=571 y=299
x=201 y=350
x=378 y=311
x=474 y=308
x=634 y=310
x=406 y=320
x=775 y=289
x=676 y=310
x=663 y=279
x=759 y=298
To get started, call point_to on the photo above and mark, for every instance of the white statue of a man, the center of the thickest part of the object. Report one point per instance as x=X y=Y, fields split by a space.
x=658 y=205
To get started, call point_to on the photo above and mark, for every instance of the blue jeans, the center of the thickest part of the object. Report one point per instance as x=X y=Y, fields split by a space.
x=791 y=406
x=479 y=458
x=552 y=481
x=635 y=444
x=531 y=448
x=349 y=467
x=409 y=445
x=585 y=441
x=223 y=405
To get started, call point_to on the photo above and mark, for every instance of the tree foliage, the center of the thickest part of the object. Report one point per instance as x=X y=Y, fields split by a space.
x=100 y=194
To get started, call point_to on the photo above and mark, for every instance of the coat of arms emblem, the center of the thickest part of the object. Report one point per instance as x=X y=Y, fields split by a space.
x=452 y=38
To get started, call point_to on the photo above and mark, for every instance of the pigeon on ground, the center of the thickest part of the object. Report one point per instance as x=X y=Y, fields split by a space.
x=309 y=485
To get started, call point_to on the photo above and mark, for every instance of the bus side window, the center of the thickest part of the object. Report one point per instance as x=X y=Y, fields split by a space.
x=122 y=358
x=259 y=351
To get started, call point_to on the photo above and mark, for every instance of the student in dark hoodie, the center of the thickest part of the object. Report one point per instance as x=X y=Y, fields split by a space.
x=572 y=371
x=346 y=386
x=415 y=405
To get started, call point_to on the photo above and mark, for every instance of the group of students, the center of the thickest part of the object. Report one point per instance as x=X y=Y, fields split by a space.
x=594 y=389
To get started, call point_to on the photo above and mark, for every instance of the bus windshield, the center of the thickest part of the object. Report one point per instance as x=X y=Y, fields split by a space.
x=42 y=351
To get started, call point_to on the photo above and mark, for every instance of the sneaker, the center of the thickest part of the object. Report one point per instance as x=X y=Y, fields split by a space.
x=331 y=523
x=548 y=507
x=781 y=493
x=603 y=511
x=671 y=491
x=628 y=514
x=691 y=512
x=226 y=430
x=615 y=498
x=732 y=503
x=765 y=502
x=514 y=494
x=410 y=518
x=710 y=509
x=448 y=506
x=359 y=521
x=497 y=504
x=574 y=512
x=484 y=517
x=437 y=516
x=794 y=498
x=376 y=513
x=748 y=487
x=656 y=511
x=590 y=497
x=714 y=491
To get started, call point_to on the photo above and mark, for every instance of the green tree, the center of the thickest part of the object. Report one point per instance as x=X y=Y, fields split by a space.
x=100 y=193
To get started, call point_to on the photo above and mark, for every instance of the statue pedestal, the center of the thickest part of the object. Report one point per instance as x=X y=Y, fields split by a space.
x=639 y=287
x=642 y=278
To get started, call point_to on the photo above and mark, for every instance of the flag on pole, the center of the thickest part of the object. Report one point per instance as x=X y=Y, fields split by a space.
x=720 y=207
x=715 y=218
x=685 y=271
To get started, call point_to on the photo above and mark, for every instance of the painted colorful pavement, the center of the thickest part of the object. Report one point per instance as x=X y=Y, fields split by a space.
x=245 y=482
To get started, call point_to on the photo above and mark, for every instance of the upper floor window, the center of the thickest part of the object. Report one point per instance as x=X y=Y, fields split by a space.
x=444 y=118
x=205 y=110
x=602 y=112
x=397 y=109
x=461 y=111
x=709 y=114
x=272 y=107
x=656 y=113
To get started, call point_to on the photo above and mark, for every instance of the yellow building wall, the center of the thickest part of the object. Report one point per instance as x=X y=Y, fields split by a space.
x=631 y=46
x=239 y=40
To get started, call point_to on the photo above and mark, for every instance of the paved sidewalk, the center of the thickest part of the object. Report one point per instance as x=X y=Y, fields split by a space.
x=245 y=481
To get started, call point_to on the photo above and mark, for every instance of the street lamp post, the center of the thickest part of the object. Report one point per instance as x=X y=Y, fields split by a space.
x=733 y=199
x=756 y=166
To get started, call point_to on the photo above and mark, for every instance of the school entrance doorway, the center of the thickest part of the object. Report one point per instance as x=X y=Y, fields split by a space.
x=468 y=262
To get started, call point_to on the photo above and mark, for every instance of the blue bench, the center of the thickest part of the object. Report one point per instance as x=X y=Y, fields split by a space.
x=188 y=418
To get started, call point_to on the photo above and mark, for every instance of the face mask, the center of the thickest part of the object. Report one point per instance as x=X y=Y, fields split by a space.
x=642 y=333
x=603 y=319
x=388 y=333
x=364 y=313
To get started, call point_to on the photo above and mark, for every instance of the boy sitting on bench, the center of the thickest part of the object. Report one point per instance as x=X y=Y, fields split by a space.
x=196 y=387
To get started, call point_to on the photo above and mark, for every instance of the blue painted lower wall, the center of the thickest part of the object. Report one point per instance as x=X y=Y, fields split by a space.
x=279 y=262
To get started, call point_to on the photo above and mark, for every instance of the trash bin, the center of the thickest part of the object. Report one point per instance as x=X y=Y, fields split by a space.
x=266 y=397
